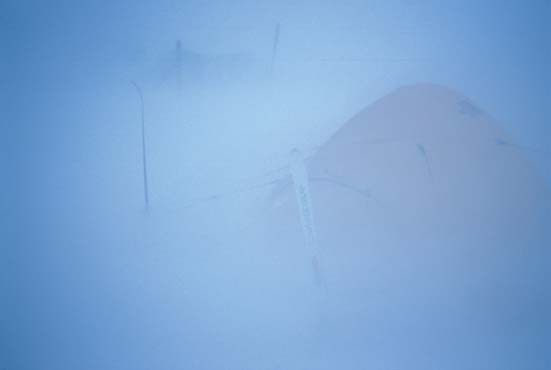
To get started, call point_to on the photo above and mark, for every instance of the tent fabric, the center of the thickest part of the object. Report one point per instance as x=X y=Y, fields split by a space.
x=421 y=163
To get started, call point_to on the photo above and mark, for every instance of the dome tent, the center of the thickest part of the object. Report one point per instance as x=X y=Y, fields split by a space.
x=435 y=235
x=422 y=161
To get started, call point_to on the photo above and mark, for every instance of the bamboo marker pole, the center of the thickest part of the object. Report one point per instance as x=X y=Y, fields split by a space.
x=179 y=61
x=301 y=184
x=144 y=148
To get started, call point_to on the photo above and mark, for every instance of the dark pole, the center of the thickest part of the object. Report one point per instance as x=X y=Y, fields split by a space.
x=144 y=153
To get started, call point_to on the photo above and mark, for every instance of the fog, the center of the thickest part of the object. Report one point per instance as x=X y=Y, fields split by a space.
x=361 y=185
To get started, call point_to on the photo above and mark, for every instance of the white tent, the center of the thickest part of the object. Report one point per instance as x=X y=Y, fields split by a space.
x=421 y=163
x=434 y=231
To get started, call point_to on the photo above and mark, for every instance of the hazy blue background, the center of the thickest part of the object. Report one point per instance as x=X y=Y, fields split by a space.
x=88 y=280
